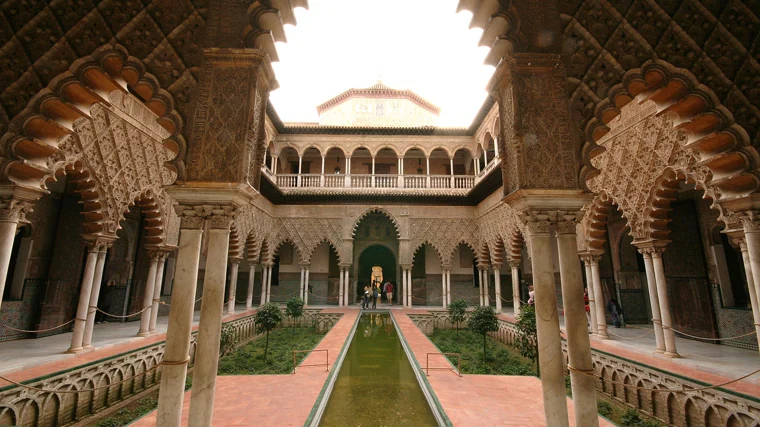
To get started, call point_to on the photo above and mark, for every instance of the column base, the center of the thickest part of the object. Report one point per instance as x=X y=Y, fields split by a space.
x=153 y=332
x=74 y=350
x=659 y=351
x=601 y=336
x=672 y=355
x=88 y=347
x=230 y=312
x=143 y=334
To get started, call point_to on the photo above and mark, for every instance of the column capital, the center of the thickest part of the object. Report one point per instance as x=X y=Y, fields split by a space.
x=406 y=266
x=750 y=221
x=567 y=222
x=446 y=267
x=15 y=210
x=590 y=258
x=515 y=263
x=98 y=243
x=216 y=216
x=304 y=264
x=496 y=266
x=235 y=260
x=651 y=248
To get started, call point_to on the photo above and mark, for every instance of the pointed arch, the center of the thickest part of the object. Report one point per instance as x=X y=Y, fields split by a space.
x=330 y=243
x=437 y=250
x=378 y=210
x=710 y=130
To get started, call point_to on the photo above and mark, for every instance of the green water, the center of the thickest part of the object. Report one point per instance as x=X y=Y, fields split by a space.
x=376 y=385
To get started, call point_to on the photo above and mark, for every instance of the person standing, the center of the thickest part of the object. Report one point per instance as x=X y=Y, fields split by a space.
x=615 y=311
x=365 y=297
x=375 y=295
x=389 y=292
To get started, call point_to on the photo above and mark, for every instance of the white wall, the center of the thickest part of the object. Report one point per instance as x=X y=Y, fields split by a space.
x=432 y=261
x=320 y=260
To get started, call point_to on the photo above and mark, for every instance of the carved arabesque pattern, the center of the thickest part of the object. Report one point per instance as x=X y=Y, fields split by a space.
x=638 y=150
x=443 y=234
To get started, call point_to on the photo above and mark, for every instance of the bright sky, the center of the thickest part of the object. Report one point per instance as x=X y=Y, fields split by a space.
x=422 y=45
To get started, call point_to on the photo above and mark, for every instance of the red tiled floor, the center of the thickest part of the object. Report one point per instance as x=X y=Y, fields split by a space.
x=480 y=400
x=272 y=400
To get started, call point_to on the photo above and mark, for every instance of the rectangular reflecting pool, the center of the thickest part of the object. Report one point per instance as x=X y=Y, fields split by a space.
x=376 y=385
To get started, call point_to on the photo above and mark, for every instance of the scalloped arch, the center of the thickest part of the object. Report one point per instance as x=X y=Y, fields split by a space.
x=721 y=145
x=376 y=210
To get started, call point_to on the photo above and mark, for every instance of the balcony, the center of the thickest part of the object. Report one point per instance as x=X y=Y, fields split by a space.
x=457 y=186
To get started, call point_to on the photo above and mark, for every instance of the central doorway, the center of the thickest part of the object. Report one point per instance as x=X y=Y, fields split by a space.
x=380 y=256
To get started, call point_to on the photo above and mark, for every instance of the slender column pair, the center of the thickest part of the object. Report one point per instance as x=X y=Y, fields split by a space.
x=251 y=282
x=345 y=287
x=97 y=282
x=601 y=315
x=404 y=287
x=306 y=288
x=341 y=288
x=586 y=258
x=264 y=277
x=514 y=265
x=497 y=285
x=151 y=293
x=407 y=273
x=232 y=287
x=486 y=287
x=95 y=244
x=157 y=289
x=654 y=300
x=652 y=252
x=754 y=295
x=444 y=287
x=12 y=212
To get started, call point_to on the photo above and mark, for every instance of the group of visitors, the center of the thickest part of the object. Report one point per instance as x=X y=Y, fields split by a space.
x=375 y=291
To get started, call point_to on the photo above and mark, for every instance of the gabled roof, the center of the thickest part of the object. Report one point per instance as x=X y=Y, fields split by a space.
x=379 y=90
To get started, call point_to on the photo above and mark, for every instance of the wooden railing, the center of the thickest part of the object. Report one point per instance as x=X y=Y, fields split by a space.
x=457 y=182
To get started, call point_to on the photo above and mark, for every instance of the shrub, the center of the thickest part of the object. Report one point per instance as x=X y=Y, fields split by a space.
x=605 y=409
x=267 y=318
x=227 y=340
x=527 y=337
x=482 y=321
x=294 y=310
x=457 y=312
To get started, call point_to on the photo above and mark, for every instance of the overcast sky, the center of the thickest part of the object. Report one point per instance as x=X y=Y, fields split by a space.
x=422 y=45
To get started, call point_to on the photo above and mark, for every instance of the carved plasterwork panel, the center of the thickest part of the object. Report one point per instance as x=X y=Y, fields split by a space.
x=306 y=234
x=127 y=161
x=638 y=150
x=444 y=234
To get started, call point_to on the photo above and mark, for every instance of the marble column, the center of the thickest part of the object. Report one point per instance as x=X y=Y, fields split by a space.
x=481 y=285
x=443 y=288
x=497 y=285
x=150 y=284
x=348 y=294
x=751 y=227
x=486 y=287
x=341 y=287
x=448 y=286
x=232 y=287
x=751 y=286
x=662 y=294
x=514 y=265
x=404 y=286
x=578 y=345
x=209 y=329
x=251 y=281
x=264 y=276
x=547 y=324
x=84 y=298
x=300 y=289
x=97 y=281
x=157 y=292
x=410 y=290
x=590 y=289
x=269 y=282
x=11 y=213
x=306 y=288
x=176 y=353
x=601 y=316
x=654 y=301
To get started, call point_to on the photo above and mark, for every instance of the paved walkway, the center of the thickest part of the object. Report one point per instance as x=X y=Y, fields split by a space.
x=272 y=400
x=479 y=400
x=710 y=363
x=35 y=357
